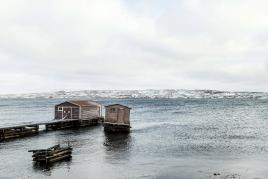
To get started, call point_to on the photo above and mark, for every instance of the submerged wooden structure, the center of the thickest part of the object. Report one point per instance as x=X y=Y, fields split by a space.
x=89 y=113
x=117 y=118
x=52 y=154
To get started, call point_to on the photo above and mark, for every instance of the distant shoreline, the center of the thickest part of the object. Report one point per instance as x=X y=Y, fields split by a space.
x=146 y=94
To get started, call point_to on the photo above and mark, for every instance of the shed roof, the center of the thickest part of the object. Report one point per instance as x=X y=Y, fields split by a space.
x=118 y=105
x=82 y=103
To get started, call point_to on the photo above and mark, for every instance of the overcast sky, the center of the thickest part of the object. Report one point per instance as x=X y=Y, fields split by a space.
x=48 y=45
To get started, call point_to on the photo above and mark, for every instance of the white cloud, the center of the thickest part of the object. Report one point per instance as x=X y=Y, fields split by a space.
x=120 y=44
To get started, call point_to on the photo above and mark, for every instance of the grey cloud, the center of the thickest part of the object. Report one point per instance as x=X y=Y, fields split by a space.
x=62 y=44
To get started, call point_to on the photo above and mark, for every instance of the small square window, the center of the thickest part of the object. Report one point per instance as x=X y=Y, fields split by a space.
x=59 y=108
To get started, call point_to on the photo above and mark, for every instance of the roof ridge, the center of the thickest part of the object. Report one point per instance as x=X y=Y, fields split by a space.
x=119 y=105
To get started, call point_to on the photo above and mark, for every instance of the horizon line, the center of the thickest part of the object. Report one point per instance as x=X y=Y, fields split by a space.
x=156 y=89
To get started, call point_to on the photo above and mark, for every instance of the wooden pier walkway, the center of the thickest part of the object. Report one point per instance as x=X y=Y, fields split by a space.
x=27 y=129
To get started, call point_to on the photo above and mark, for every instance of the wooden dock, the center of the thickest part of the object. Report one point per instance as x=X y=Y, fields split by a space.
x=28 y=129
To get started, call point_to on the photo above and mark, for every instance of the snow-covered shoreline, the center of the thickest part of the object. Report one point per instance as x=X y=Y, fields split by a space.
x=150 y=93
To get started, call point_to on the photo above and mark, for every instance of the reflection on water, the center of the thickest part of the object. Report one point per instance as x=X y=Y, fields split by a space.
x=117 y=146
x=47 y=169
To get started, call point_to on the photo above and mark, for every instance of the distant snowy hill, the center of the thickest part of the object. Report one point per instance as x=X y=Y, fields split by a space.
x=150 y=93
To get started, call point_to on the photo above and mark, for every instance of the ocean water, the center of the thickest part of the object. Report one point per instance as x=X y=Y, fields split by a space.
x=170 y=138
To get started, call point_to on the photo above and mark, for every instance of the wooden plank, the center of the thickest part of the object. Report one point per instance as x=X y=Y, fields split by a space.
x=27 y=129
x=38 y=123
x=52 y=154
x=53 y=147
x=60 y=158
x=32 y=124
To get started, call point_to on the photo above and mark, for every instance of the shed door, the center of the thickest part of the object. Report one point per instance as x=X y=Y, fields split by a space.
x=67 y=113
x=121 y=115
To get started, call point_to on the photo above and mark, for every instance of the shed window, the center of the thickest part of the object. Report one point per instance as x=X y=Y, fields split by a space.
x=112 y=110
x=59 y=108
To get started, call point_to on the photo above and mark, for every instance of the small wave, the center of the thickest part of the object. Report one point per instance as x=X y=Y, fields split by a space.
x=181 y=112
x=206 y=128
x=3 y=105
x=144 y=126
x=241 y=137
x=155 y=126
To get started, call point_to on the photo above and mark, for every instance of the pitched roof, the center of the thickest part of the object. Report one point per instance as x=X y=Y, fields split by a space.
x=82 y=103
x=118 y=105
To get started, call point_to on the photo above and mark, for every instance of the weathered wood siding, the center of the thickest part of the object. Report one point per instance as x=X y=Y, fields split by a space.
x=126 y=116
x=90 y=112
x=73 y=108
x=117 y=114
x=75 y=113
x=111 y=116
x=58 y=114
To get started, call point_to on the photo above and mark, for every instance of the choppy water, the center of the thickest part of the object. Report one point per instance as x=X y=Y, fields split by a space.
x=170 y=138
